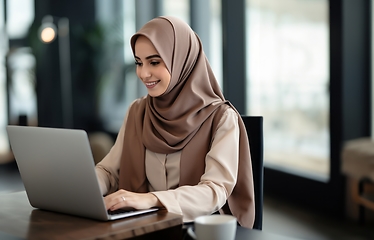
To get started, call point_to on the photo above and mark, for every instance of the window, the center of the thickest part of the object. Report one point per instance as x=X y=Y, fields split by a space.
x=118 y=84
x=19 y=63
x=288 y=82
x=4 y=145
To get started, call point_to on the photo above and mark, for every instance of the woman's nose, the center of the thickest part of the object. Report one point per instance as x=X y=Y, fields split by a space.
x=144 y=73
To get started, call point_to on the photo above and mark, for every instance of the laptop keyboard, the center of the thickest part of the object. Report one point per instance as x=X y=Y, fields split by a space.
x=120 y=211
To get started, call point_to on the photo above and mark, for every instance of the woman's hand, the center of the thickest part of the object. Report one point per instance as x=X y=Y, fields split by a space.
x=123 y=198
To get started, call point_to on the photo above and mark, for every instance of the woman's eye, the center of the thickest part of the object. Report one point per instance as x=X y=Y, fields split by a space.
x=138 y=63
x=154 y=63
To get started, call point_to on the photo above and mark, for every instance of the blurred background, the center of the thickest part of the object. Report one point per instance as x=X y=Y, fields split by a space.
x=305 y=65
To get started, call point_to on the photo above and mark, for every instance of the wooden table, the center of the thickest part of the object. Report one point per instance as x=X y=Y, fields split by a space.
x=19 y=220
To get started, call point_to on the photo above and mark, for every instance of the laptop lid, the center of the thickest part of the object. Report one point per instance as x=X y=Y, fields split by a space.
x=58 y=171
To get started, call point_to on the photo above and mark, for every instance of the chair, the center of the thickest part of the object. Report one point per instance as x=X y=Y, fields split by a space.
x=357 y=166
x=254 y=127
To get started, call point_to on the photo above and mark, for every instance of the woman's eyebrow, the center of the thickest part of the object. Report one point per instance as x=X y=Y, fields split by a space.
x=149 y=57
x=153 y=56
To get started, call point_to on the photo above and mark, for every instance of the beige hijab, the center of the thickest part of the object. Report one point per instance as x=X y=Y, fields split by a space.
x=184 y=118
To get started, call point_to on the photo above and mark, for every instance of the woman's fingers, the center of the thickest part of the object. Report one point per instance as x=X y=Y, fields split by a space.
x=116 y=200
x=123 y=198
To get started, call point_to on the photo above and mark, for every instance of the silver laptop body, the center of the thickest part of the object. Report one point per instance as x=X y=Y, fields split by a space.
x=58 y=171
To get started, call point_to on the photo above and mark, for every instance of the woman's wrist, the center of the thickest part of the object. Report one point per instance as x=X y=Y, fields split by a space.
x=154 y=201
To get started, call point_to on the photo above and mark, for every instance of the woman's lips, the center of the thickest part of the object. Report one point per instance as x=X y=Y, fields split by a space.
x=151 y=84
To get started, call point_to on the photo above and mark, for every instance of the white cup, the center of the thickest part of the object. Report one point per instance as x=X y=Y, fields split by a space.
x=214 y=227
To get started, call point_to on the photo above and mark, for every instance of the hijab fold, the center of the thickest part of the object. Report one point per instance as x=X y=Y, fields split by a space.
x=184 y=118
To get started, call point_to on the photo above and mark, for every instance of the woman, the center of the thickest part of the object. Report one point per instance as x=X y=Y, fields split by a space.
x=182 y=147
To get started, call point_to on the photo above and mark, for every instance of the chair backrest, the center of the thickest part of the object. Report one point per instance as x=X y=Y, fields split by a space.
x=254 y=127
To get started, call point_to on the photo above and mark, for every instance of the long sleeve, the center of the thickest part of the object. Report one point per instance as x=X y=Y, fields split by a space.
x=219 y=178
x=107 y=170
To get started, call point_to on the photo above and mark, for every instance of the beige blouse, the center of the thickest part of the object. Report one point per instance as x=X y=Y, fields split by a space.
x=162 y=171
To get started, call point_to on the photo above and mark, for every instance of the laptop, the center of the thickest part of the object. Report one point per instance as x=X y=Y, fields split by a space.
x=58 y=171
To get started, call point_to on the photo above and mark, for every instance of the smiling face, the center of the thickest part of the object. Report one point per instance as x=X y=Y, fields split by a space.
x=150 y=68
